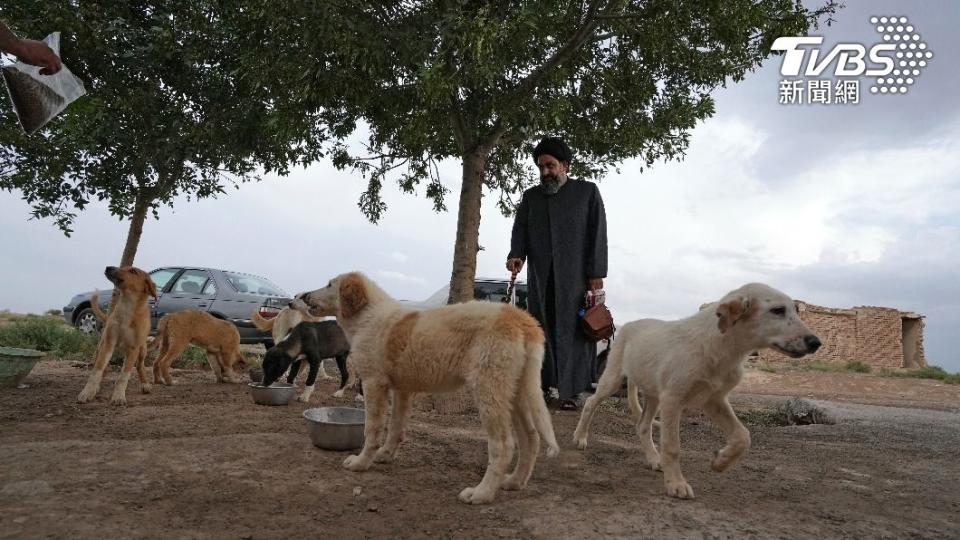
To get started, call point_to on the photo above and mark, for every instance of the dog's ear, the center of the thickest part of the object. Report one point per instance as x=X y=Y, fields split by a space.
x=353 y=295
x=731 y=311
x=151 y=287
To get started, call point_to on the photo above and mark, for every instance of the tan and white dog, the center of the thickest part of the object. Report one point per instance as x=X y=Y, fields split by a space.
x=695 y=363
x=494 y=349
x=127 y=327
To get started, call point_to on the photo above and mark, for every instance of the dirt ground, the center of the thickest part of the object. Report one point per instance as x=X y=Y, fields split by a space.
x=200 y=460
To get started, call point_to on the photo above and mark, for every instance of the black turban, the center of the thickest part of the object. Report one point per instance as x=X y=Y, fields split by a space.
x=554 y=147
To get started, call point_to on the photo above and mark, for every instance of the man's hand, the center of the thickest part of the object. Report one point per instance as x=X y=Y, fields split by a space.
x=36 y=53
x=595 y=283
x=514 y=265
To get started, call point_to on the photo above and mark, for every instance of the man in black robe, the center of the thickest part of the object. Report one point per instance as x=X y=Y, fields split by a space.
x=561 y=229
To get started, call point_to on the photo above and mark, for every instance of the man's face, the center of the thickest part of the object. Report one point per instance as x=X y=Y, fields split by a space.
x=551 y=171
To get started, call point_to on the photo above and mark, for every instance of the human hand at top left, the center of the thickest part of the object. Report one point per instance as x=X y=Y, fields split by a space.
x=37 y=53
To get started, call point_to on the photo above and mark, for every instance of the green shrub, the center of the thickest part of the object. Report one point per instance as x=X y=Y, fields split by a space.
x=191 y=358
x=763 y=416
x=857 y=366
x=48 y=334
x=822 y=366
x=929 y=372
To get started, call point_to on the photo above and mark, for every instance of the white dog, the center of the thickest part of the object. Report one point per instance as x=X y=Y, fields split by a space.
x=494 y=349
x=696 y=362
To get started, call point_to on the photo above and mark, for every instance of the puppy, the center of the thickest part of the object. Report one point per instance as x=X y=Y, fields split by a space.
x=494 y=349
x=695 y=363
x=313 y=341
x=281 y=325
x=127 y=327
x=219 y=338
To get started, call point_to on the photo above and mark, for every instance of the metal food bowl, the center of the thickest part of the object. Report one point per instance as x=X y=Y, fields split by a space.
x=277 y=393
x=15 y=364
x=335 y=428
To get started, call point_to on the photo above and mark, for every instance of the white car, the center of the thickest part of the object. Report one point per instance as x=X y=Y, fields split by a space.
x=490 y=289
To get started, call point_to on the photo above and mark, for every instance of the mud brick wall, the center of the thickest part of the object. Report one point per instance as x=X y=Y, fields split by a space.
x=837 y=331
x=879 y=336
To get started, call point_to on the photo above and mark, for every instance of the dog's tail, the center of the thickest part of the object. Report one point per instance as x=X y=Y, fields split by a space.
x=95 y=308
x=531 y=393
x=263 y=324
x=157 y=342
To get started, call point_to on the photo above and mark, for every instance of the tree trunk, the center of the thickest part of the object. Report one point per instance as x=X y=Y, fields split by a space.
x=464 y=264
x=136 y=228
x=467 y=242
x=133 y=234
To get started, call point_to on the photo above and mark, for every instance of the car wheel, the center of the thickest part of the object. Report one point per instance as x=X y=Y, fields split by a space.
x=87 y=322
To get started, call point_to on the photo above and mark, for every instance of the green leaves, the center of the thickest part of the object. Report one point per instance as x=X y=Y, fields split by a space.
x=178 y=104
x=435 y=80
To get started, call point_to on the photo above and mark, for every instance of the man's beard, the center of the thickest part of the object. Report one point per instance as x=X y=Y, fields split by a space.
x=552 y=182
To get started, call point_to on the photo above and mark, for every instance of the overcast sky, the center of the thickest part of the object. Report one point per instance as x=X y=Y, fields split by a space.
x=836 y=205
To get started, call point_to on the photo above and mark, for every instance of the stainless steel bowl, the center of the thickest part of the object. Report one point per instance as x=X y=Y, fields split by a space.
x=335 y=428
x=277 y=393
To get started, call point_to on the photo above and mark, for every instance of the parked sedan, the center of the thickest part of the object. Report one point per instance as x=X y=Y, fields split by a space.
x=489 y=289
x=231 y=296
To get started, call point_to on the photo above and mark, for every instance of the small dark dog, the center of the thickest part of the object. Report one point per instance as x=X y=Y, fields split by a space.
x=315 y=341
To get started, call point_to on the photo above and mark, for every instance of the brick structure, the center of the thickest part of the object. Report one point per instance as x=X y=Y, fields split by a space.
x=879 y=336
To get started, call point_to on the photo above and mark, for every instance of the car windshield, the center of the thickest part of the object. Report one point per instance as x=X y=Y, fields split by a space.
x=253 y=285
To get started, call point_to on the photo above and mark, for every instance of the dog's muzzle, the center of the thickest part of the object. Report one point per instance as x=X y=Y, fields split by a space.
x=799 y=347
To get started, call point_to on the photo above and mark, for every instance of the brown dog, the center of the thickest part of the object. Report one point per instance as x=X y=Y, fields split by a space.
x=218 y=337
x=127 y=327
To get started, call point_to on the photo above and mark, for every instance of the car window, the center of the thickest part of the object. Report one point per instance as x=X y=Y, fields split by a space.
x=492 y=292
x=162 y=276
x=211 y=288
x=190 y=282
x=248 y=284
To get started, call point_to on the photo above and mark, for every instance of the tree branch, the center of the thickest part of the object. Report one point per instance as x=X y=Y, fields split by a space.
x=568 y=49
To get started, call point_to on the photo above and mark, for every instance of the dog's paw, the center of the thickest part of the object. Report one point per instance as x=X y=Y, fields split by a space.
x=118 y=400
x=680 y=490
x=513 y=483
x=304 y=398
x=358 y=398
x=86 y=395
x=355 y=464
x=473 y=495
x=384 y=455
x=146 y=388
x=723 y=460
x=338 y=393
x=581 y=442
x=553 y=450
x=654 y=464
